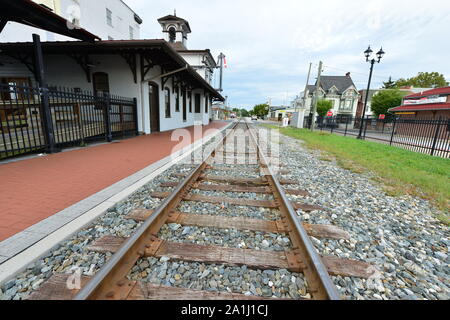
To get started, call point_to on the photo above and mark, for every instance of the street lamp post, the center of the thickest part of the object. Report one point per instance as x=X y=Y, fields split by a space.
x=368 y=53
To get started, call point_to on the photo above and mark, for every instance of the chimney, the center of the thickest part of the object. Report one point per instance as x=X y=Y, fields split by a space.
x=348 y=74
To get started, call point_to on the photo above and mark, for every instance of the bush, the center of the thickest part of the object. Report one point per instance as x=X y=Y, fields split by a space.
x=323 y=106
x=385 y=100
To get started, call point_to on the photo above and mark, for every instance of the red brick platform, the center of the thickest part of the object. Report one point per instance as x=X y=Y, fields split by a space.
x=35 y=189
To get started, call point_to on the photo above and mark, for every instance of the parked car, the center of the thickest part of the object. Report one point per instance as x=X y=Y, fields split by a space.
x=254 y=118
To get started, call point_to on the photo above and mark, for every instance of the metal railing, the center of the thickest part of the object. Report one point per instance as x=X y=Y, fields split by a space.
x=34 y=119
x=428 y=136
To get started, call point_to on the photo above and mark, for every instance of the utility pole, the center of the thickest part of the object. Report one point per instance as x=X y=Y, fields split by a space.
x=304 y=97
x=221 y=57
x=316 y=96
x=306 y=86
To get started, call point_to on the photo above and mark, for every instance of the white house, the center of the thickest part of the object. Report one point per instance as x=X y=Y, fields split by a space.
x=340 y=90
x=170 y=92
x=107 y=19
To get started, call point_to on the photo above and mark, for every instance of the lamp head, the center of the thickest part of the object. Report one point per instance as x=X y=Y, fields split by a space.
x=380 y=54
x=368 y=53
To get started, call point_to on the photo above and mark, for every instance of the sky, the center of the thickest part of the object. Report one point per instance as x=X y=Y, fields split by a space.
x=270 y=44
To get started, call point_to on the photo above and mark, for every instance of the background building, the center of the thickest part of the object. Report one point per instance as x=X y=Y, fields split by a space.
x=432 y=104
x=340 y=90
x=107 y=19
x=170 y=93
x=361 y=101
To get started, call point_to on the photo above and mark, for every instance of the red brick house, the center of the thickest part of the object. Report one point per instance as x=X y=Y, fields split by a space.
x=432 y=104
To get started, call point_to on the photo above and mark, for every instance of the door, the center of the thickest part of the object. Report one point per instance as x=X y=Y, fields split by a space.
x=153 y=91
x=197 y=103
x=184 y=106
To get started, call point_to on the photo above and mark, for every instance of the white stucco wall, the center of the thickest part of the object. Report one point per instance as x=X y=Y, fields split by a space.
x=121 y=83
x=92 y=17
x=196 y=60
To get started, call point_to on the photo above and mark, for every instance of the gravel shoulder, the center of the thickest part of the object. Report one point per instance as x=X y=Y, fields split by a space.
x=400 y=236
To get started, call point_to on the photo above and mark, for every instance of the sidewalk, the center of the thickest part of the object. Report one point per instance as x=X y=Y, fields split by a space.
x=35 y=189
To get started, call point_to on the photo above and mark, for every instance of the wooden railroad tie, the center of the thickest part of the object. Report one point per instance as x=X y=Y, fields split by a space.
x=56 y=288
x=237 y=201
x=227 y=169
x=231 y=188
x=240 y=223
x=235 y=180
x=254 y=259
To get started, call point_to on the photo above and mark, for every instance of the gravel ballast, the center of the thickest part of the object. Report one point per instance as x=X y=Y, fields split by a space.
x=400 y=237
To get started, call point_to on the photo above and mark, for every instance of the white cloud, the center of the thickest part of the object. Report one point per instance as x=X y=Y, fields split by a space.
x=269 y=44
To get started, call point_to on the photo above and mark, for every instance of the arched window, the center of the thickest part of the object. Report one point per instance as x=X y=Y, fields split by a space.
x=172 y=34
x=167 y=100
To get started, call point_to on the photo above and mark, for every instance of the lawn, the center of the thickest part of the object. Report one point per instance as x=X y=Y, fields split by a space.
x=400 y=171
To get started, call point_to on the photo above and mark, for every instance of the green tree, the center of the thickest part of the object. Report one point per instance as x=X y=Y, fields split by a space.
x=261 y=110
x=389 y=84
x=244 y=113
x=323 y=106
x=385 y=100
x=424 y=80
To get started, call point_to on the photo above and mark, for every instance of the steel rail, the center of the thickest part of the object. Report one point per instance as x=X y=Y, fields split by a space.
x=110 y=283
x=319 y=280
x=116 y=269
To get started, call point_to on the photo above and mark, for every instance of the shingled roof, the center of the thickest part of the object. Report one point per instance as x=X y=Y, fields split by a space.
x=342 y=83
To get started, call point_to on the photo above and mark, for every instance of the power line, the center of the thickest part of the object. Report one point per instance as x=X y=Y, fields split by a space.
x=354 y=72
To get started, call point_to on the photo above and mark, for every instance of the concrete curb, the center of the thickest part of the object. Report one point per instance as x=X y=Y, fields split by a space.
x=20 y=250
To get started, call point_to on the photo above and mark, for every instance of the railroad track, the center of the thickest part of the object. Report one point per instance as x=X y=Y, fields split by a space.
x=113 y=281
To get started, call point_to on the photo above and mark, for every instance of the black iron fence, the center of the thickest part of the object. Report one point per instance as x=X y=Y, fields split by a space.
x=34 y=119
x=427 y=136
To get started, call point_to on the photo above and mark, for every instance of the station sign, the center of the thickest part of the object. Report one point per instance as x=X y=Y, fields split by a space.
x=426 y=100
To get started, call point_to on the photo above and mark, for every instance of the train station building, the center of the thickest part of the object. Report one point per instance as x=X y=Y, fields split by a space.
x=170 y=84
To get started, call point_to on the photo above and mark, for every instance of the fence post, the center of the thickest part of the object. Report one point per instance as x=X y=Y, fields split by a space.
x=346 y=127
x=107 y=116
x=436 y=135
x=46 y=113
x=365 y=128
x=332 y=125
x=393 y=131
x=135 y=117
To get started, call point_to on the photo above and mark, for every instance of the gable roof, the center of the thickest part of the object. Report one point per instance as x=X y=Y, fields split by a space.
x=432 y=92
x=311 y=87
x=175 y=18
x=342 y=83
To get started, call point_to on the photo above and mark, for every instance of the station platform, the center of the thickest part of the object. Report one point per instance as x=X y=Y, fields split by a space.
x=34 y=189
